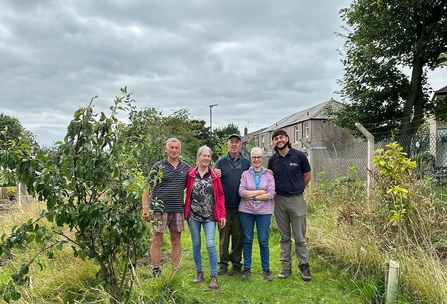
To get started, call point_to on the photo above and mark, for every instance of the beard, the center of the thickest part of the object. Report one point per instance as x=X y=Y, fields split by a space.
x=286 y=144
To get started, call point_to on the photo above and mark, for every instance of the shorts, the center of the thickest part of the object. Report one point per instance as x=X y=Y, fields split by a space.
x=173 y=220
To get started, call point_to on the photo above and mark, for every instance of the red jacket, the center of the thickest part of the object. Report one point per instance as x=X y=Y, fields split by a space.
x=219 y=211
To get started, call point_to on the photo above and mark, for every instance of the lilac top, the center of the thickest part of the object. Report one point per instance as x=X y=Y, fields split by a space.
x=248 y=183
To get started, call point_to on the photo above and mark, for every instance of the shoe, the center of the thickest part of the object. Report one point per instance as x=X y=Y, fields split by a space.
x=198 y=278
x=305 y=272
x=246 y=273
x=284 y=274
x=156 y=272
x=234 y=270
x=213 y=282
x=222 y=270
x=267 y=275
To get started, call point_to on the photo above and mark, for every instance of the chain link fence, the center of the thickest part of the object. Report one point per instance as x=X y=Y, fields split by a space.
x=428 y=150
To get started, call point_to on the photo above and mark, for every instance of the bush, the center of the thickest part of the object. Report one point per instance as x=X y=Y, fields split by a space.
x=425 y=161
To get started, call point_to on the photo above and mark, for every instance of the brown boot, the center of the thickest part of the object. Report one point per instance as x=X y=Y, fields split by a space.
x=305 y=272
x=198 y=278
x=213 y=282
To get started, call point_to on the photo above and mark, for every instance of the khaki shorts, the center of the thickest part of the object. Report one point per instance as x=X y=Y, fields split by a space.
x=173 y=220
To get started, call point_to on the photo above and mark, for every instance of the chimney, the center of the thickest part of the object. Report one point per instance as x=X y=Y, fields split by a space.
x=245 y=131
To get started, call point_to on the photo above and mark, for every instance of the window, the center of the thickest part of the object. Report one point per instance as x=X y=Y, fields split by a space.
x=297 y=135
x=306 y=130
x=262 y=145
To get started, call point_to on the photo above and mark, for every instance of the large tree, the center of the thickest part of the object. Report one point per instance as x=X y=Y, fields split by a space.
x=12 y=129
x=384 y=40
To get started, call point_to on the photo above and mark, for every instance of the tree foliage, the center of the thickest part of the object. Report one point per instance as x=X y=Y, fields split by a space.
x=224 y=132
x=220 y=139
x=92 y=185
x=12 y=129
x=382 y=40
x=393 y=179
x=443 y=57
x=149 y=130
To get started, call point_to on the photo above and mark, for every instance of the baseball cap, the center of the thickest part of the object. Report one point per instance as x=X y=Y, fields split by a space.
x=235 y=135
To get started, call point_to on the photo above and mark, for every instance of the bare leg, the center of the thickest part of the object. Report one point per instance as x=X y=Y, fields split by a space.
x=176 y=248
x=157 y=240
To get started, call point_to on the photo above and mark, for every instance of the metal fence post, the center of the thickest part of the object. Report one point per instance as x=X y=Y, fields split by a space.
x=309 y=156
x=370 y=138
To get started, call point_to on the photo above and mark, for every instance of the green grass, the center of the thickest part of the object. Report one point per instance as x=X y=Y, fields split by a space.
x=325 y=286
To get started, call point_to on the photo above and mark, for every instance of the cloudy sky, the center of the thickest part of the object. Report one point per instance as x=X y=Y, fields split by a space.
x=258 y=60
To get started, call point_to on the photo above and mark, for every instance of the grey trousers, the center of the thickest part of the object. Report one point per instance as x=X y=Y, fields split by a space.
x=290 y=215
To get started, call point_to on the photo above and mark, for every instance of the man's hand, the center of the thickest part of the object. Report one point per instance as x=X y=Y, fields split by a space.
x=222 y=223
x=147 y=215
x=145 y=206
x=218 y=172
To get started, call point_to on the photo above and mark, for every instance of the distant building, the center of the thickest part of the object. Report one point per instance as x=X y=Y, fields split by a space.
x=438 y=143
x=310 y=125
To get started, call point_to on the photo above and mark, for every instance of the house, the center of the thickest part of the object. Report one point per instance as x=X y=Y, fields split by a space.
x=438 y=143
x=310 y=125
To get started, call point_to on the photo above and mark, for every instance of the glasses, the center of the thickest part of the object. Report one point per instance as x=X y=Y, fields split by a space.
x=257 y=157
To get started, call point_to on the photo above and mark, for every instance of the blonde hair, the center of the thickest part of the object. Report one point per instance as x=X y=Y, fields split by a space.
x=203 y=148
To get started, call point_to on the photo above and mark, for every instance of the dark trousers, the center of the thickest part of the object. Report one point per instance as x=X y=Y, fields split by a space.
x=233 y=231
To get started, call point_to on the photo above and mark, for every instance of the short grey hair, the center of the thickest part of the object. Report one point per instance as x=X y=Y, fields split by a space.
x=203 y=148
x=173 y=139
x=257 y=150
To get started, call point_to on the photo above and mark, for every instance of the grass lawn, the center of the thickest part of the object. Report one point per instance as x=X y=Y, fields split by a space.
x=177 y=287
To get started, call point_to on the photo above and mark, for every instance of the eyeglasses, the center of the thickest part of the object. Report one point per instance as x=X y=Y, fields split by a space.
x=257 y=157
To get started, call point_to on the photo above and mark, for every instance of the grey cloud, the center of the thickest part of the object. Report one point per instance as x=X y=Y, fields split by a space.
x=259 y=60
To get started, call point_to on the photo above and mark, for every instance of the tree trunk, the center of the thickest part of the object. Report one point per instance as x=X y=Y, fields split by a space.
x=412 y=113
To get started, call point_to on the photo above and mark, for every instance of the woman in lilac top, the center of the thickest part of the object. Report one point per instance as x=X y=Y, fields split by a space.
x=256 y=189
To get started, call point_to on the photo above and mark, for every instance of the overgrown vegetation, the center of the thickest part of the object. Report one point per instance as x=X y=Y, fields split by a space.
x=404 y=222
x=86 y=242
x=92 y=189
x=349 y=238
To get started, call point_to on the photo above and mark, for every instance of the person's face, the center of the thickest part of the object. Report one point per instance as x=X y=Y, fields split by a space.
x=204 y=159
x=234 y=145
x=256 y=160
x=280 y=141
x=173 y=149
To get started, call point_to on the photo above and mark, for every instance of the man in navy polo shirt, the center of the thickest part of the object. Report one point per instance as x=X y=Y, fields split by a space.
x=291 y=170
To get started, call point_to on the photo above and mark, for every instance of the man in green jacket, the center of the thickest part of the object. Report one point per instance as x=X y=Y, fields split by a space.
x=231 y=166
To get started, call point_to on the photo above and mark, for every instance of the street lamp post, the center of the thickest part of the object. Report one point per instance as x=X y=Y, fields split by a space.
x=211 y=116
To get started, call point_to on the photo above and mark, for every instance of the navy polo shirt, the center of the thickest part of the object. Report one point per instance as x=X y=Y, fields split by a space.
x=288 y=172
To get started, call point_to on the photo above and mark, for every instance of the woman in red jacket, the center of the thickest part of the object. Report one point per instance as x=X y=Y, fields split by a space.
x=204 y=206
